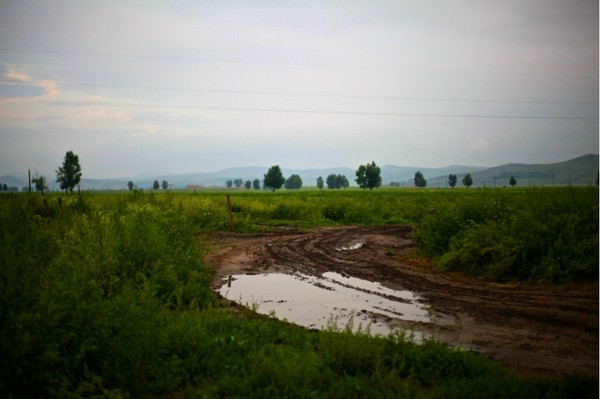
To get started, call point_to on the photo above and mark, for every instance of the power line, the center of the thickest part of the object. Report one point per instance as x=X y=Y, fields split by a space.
x=298 y=111
x=294 y=64
x=282 y=93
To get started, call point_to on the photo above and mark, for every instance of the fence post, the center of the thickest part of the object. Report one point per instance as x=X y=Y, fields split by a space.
x=230 y=213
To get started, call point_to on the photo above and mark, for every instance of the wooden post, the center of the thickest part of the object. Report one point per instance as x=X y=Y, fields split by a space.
x=230 y=213
x=29 y=179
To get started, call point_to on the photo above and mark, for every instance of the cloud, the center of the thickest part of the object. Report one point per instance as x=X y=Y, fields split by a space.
x=17 y=75
x=27 y=84
x=100 y=113
x=51 y=91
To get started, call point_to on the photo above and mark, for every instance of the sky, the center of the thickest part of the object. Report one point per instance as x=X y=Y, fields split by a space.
x=138 y=87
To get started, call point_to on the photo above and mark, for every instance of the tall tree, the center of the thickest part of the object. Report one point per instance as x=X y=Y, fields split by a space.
x=467 y=180
x=229 y=183
x=165 y=184
x=69 y=174
x=256 y=184
x=248 y=184
x=238 y=183
x=361 y=176
x=40 y=183
x=512 y=181
x=274 y=178
x=368 y=176
x=320 y=183
x=156 y=185
x=419 y=180
x=130 y=185
x=452 y=180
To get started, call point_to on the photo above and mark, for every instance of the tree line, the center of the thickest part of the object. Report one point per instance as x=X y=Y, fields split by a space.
x=368 y=176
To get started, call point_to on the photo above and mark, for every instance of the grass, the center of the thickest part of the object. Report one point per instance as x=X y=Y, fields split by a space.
x=107 y=296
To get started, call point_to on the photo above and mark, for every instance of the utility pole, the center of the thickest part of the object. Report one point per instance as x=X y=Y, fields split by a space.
x=29 y=179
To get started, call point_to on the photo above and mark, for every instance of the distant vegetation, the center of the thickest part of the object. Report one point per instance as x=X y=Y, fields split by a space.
x=579 y=171
x=106 y=295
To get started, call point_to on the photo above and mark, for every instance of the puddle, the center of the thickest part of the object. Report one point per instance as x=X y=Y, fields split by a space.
x=315 y=301
x=351 y=247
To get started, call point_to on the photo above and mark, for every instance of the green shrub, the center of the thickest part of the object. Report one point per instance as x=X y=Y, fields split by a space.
x=541 y=234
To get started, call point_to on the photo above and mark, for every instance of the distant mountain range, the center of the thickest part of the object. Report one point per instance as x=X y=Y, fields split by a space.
x=578 y=171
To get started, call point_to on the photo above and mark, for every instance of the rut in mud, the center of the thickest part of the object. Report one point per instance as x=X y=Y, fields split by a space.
x=531 y=329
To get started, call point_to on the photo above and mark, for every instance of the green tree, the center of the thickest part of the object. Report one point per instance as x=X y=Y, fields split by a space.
x=4 y=187
x=229 y=183
x=368 y=176
x=512 y=181
x=238 y=183
x=332 y=182
x=294 y=182
x=337 y=181
x=419 y=180
x=165 y=184
x=361 y=177
x=343 y=181
x=467 y=180
x=156 y=185
x=452 y=180
x=69 y=174
x=248 y=184
x=256 y=184
x=40 y=183
x=130 y=185
x=274 y=178
x=320 y=183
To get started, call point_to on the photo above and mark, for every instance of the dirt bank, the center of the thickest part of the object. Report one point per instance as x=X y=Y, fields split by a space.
x=531 y=329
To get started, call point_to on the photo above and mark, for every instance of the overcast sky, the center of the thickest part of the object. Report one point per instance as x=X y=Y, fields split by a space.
x=199 y=86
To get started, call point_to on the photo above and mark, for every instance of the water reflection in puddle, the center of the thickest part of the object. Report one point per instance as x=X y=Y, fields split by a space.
x=314 y=301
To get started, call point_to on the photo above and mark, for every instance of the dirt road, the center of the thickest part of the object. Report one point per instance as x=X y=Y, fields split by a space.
x=531 y=329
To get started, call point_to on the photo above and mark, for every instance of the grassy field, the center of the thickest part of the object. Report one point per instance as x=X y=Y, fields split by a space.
x=106 y=295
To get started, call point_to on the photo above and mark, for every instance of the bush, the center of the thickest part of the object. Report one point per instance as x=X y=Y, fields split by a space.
x=546 y=235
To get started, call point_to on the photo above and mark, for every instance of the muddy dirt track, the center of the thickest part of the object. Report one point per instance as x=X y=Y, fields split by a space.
x=531 y=329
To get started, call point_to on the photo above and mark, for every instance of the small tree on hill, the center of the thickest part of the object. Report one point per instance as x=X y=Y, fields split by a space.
x=419 y=180
x=512 y=181
x=69 y=174
x=274 y=178
x=452 y=180
x=467 y=180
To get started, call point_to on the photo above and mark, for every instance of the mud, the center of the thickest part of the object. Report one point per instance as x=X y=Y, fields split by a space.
x=531 y=329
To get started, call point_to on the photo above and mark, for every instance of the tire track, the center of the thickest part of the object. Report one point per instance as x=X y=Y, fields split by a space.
x=534 y=329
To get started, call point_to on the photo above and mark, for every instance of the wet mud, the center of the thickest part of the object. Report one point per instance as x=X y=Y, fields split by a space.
x=531 y=329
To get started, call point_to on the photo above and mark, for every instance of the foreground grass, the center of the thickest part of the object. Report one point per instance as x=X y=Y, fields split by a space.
x=107 y=297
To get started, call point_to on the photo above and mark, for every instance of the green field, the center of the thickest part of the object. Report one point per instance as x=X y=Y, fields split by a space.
x=106 y=295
